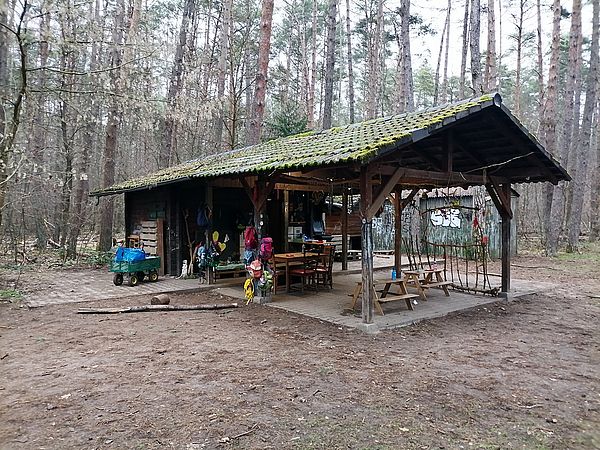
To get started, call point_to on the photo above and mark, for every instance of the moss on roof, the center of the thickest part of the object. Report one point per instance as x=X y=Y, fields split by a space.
x=359 y=142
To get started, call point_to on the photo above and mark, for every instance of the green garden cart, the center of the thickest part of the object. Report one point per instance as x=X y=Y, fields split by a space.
x=135 y=271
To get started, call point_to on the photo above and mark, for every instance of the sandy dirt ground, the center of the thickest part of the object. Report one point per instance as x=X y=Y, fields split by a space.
x=524 y=374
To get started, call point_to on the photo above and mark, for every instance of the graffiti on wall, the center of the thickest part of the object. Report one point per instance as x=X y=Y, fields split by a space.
x=445 y=218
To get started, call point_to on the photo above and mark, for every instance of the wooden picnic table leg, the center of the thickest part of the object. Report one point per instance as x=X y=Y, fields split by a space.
x=404 y=291
x=376 y=300
x=438 y=276
x=287 y=276
x=420 y=290
x=386 y=289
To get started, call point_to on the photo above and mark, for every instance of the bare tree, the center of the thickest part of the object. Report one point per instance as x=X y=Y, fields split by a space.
x=175 y=86
x=566 y=145
x=549 y=119
x=222 y=73
x=9 y=125
x=446 y=53
x=439 y=59
x=581 y=173
x=118 y=80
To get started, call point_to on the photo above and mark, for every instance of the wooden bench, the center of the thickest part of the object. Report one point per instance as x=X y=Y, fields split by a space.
x=237 y=270
x=383 y=298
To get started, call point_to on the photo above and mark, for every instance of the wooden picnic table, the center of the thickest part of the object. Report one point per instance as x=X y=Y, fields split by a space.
x=292 y=258
x=383 y=298
x=413 y=278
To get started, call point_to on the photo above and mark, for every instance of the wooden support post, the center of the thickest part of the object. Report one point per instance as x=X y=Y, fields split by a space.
x=286 y=219
x=345 y=229
x=208 y=234
x=506 y=219
x=366 y=199
x=398 y=230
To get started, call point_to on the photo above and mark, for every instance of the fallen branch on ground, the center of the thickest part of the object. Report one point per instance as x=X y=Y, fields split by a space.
x=229 y=439
x=493 y=292
x=149 y=308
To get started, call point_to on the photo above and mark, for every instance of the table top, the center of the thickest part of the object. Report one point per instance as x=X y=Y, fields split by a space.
x=293 y=255
x=412 y=272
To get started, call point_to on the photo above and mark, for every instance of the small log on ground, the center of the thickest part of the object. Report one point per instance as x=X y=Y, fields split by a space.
x=160 y=299
x=150 y=308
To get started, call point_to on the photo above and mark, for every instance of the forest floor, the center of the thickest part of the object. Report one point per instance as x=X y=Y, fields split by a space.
x=522 y=374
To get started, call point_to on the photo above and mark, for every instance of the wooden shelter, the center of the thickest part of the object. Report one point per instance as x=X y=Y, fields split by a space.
x=472 y=142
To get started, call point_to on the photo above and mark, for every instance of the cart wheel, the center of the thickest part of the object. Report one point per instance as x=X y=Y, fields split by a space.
x=153 y=275
x=118 y=279
x=133 y=280
x=141 y=276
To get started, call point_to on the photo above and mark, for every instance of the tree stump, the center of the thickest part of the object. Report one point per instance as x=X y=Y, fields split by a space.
x=160 y=299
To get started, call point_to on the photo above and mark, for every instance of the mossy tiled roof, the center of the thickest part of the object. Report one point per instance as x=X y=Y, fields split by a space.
x=359 y=142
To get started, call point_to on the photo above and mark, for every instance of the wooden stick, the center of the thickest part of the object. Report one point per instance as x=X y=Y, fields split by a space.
x=149 y=308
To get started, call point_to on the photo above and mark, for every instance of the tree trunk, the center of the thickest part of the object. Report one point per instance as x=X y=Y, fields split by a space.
x=540 y=60
x=258 y=107
x=474 y=47
x=404 y=80
x=548 y=126
x=595 y=196
x=374 y=66
x=566 y=146
x=175 y=86
x=491 y=71
x=118 y=80
x=581 y=173
x=39 y=133
x=10 y=125
x=465 y=47
x=329 y=64
x=436 y=89
x=78 y=211
x=221 y=74
x=519 y=39
x=446 y=53
x=350 y=71
x=310 y=107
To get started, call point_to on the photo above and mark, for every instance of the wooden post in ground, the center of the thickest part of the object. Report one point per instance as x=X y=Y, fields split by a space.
x=208 y=233
x=500 y=195
x=398 y=229
x=345 y=229
x=506 y=225
x=366 y=199
x=286 y=219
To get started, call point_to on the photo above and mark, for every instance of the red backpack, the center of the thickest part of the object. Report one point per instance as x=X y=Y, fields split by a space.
x=250 y=238
x=266 y=248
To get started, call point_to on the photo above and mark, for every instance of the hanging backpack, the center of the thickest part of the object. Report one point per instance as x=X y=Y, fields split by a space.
x=250 y=238
x=266 y=248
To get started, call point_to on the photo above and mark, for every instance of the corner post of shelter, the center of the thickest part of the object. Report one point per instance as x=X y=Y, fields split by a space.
x=506 y=226
x=366 y=200
x=286 y=219
x=398 y=229
x=500 y=195
x=345 y=229
x=208 y=233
